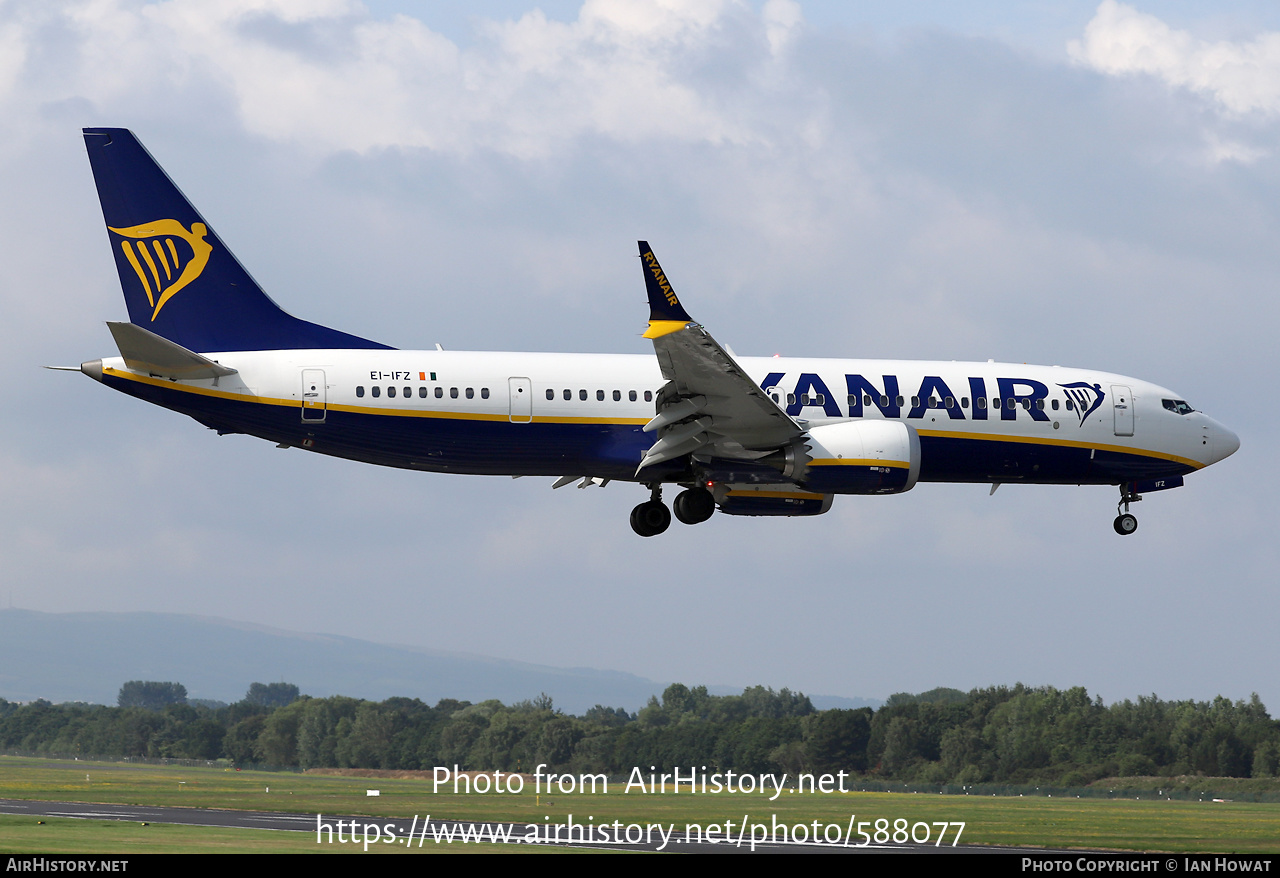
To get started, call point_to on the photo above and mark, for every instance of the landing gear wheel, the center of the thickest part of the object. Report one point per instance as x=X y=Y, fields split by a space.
x=1125 y=524
x=650 y=519
x=694 y=506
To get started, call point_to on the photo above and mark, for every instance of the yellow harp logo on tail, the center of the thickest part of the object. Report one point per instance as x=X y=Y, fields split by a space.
x=155 y=256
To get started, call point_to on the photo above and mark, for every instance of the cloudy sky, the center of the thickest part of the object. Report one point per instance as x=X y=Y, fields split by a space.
x=1060 y=182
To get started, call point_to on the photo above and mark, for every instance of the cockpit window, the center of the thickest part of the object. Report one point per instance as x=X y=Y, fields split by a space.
x=1177 y=406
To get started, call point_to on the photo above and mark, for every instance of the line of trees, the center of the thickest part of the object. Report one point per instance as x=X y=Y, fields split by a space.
x=1000 y=734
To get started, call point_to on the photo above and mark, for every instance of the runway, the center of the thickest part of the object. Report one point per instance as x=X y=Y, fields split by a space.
x=422 y=833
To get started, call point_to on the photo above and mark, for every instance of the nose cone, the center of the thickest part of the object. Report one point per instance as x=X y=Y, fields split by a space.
x=1223 y=442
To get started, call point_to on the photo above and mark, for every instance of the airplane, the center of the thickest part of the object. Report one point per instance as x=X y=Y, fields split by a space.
x=763 y=436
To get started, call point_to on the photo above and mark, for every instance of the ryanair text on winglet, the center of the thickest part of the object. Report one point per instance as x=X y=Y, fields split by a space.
x=661 y=278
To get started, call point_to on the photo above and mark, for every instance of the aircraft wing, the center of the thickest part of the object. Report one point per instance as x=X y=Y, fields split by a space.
x=709 y=404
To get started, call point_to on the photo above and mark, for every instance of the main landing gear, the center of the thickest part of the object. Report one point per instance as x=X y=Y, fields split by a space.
x=1125 y=523
x=651 y=518
x=692 y=506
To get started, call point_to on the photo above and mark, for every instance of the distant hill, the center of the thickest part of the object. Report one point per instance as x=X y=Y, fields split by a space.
x=87 y=656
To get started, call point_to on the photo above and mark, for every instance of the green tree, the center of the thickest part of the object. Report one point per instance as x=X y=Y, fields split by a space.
x=836 y=740
x=278 y=743
x=271 y=695
x=150 y=695
x=240 y=741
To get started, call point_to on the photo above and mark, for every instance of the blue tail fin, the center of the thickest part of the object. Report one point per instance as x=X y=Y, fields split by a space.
x=180 y=281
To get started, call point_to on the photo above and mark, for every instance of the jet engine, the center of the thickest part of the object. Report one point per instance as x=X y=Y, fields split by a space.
x=860 y=457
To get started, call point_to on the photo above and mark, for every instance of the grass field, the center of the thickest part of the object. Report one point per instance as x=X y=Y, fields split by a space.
x=1146 y=825
x=24 y=835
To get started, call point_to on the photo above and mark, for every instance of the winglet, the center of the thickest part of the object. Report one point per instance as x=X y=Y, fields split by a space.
x=666 y=314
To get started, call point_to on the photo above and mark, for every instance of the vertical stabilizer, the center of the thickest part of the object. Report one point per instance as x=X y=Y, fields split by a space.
x=179 y=280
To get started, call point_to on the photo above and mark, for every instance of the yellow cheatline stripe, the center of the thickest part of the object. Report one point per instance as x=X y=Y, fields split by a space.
x=635 y=422
x=659 y=328
x=832 y=461
x=198 y=391
x=362 y=410
x=794 y=495
x=1064 y=443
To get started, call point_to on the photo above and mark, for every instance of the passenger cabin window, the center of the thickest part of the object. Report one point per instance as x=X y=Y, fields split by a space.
x=648 y=396
x=980 y=402
x=439 y=393
x=632 y=396
x=484 y=393
x=582 y=395
x=1055 y=405
x=408 y=392
x=422 y=392
x=376 y=391
x=568 y=395
x=551 y=394
x=359 y=390
x=391 y=392
x=453 y=393
x=617 y=396
x=600 y=396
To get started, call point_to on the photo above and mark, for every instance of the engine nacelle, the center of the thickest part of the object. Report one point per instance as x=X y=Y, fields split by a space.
x=769 y=500
x=862 y=457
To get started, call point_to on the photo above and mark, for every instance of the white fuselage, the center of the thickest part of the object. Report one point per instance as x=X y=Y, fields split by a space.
x=552 y=414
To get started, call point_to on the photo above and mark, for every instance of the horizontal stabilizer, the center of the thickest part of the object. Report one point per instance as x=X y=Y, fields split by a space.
x=144 y=351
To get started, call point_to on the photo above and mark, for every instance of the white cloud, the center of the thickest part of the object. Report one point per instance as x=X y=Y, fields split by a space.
x=334 y=77
x=782 y=19
x=1243 y=76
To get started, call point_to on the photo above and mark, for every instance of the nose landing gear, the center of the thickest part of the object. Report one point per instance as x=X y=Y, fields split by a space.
x=1125 y=523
